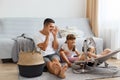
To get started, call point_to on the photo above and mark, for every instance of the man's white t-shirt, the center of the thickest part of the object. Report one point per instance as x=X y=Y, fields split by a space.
x=40 y=38
x=65 y=48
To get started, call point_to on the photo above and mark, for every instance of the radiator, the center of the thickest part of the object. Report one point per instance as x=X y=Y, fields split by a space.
x=115 y=41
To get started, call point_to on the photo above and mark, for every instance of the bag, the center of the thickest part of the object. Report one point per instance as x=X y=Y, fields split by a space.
x=30 y=64
x=24 y=43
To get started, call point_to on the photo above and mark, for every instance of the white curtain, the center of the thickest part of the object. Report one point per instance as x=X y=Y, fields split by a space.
x=109 y=23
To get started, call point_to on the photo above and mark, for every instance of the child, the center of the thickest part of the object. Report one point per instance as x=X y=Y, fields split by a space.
x=89 y=56
x=68 y=51
x=91 y=52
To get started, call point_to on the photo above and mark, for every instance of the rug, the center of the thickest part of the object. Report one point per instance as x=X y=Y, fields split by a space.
x=97 y=73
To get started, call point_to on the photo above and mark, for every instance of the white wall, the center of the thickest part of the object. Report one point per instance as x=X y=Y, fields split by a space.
x=43 y=8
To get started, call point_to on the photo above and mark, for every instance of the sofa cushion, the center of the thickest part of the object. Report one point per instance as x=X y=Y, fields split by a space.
x=6 y=45
x=79 y=43
x=71 y=30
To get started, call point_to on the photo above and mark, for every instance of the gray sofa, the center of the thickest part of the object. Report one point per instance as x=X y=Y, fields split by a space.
x=12 y=27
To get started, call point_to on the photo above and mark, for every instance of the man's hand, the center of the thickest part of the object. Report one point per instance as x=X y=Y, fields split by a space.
x=55 y=31
x=47 y=32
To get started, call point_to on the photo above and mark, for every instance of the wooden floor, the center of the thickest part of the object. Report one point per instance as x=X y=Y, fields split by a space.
x=114 y=62
x=9 y=71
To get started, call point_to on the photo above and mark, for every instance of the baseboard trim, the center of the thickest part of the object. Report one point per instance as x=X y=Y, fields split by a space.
x=9 y=60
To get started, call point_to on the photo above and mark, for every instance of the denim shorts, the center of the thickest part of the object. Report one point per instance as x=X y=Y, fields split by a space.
x=49 y=58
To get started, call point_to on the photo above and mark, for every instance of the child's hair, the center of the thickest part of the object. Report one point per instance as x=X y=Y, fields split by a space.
x=88 y=49
x=92 y=48
x=70 y=37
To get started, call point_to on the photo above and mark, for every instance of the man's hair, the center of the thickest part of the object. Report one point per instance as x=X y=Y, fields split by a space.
x=48 y=20
x=70 y=37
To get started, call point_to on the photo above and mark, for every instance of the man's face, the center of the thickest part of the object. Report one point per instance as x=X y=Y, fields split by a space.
x=50 y=26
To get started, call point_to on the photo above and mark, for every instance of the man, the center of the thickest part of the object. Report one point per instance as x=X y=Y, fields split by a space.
x=47 y=43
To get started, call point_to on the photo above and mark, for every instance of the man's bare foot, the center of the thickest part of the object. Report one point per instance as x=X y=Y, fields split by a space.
x=62 y=72
x=56 y=68
x=49 y=66
x=56 y=61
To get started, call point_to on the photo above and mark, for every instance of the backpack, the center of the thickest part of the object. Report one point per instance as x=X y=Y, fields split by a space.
x=23 y=43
